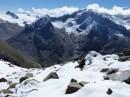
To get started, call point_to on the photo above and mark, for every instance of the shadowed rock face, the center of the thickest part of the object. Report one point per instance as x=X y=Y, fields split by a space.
x=44 y=43
x=8 y=30
x=49 y=45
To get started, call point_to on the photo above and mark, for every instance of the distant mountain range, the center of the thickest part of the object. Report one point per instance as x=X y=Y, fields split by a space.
x=51 y=40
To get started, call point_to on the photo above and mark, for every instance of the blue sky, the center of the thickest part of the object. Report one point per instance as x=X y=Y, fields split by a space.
x=28 y=4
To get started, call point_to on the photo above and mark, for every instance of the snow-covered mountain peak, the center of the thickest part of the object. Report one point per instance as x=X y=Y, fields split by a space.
x=19 y=18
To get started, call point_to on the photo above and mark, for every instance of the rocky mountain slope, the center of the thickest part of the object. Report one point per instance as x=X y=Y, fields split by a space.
x=102 y=76
x=8 y=30
x=63 y=38
x=44 y=43
x=9 y=54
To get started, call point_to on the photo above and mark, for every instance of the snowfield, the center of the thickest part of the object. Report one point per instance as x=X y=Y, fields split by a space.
x=96 y=86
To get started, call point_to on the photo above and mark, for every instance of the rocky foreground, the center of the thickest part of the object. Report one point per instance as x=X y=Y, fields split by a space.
x=94 y=76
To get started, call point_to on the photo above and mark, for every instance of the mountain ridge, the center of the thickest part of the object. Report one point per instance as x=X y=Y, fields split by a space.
x=42 y=41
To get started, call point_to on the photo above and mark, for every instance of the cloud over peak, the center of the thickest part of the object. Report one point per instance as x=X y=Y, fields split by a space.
x=113 y=11
x=52 y=12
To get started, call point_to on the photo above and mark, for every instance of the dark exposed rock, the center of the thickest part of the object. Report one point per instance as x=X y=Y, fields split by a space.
x=28 y=75
x=112 y=70
x=81 y=63
x=8 y=30
x=3 y=80
x=73 y=80
x=23 y=78
x=106 y=78
x=73 y=87
x=52 y=75
x=104 y=70
x=127 y=81
x=13 y=15
x=123 y=58
x=109 y=91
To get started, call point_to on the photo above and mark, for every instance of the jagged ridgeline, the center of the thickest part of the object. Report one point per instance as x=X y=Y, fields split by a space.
x=9 y=54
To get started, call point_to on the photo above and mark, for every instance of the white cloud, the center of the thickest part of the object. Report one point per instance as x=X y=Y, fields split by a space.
x=113 y=11
x=68 y=10
x=52 y=12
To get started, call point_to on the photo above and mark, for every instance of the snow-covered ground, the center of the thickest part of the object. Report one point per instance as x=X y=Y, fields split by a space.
x=96 y=87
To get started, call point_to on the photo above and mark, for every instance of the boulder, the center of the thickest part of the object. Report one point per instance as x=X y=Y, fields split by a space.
x=123 y=58
x=3 y=80
x=109 y=91
x=127 y=81
x=6 y=91
x=112 y=70
x=104 y=70
x=120 y=76
x=73 y=80
x=73 y=87
x=106 y=78
x=28 y=75
x=52 y=75
x=81 y=63
x=13 y=85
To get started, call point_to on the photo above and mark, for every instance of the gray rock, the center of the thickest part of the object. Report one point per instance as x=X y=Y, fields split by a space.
x=28 y=75
x=73 y=80
x=52 y=75
x=123 y=58
x=73 y=87
x=104 y=70
x=112 y=70
x=121 y=76
x=13 y=85
x=6 y=91
x=106 y=78
x=127 y=81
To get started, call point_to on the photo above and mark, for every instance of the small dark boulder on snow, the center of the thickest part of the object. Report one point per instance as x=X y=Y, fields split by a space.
x=81 y=63
x=109 y=91
x=52 y=75
x=127 y=81
x=73 y=87
x=28 y=75
x=123 y=58
x=106 y=78
x=112 y=70
x=3 y=80
x=104 y=70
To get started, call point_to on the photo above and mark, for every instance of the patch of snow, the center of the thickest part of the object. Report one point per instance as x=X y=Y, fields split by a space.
x=97 y=86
